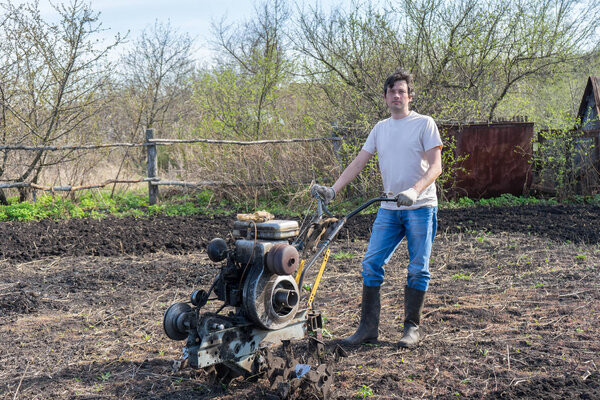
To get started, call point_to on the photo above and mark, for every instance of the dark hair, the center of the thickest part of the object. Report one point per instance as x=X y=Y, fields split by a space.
x=400 y=75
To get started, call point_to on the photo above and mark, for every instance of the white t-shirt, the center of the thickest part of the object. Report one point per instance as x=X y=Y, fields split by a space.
x=401 y=145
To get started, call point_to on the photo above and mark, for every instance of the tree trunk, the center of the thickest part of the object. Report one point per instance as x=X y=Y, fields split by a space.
x=24 y=194
x=3 y=200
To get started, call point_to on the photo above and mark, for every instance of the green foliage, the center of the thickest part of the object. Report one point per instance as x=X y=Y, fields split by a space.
x=551 y=100
x=89 y=205
x=239 y=97
x=506 y=200
x=102 y=204
x=203 y=197
x=364 y=392
x=205 y=202
x=564 y=163
x=452 y=166
x=509 y=200
x=19 y=212
x=272 y=204
x=465 y=202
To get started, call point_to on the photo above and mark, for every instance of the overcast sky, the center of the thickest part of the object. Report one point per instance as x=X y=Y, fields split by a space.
x=187 y=16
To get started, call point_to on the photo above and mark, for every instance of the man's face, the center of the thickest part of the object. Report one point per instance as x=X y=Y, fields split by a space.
x=397 y=98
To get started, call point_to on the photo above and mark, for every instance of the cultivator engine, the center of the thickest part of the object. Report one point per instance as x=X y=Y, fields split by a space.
x=260 y=278
x=257 y=281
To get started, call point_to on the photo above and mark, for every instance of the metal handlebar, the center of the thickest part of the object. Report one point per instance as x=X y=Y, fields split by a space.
x=321 y=207
x=340 y=223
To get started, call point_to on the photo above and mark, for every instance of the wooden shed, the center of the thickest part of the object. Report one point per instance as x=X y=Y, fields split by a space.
x=581 y=148
x=587 y=158
x=589 y=109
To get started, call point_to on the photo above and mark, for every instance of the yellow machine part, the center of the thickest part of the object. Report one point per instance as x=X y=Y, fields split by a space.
x=299 y=273
x=319 y=276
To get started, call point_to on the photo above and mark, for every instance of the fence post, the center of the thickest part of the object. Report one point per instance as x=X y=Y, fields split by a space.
x=151 y=151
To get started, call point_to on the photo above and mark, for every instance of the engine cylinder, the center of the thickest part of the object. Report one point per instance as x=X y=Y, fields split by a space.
x=285 y=298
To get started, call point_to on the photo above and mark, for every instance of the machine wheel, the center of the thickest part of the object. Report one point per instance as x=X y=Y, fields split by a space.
x=173 y=321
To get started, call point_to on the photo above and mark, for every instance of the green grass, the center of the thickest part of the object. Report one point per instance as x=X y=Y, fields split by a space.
x=461 y=276
x=505 y=200
x=342 y=255
x=509 y=200
x=100 y=204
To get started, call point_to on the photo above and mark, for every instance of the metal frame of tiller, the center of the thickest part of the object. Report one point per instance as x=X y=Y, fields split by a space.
x=256 y=280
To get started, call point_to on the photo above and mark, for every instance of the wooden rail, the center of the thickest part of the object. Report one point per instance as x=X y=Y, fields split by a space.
x=151 y=151
x=223 y=183
x=242 y=143
x=69 y=188
x=69 y=147
x=165 y=142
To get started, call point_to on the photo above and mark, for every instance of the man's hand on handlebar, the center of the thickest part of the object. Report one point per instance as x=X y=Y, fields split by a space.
x=326 y=193
x=407 y=197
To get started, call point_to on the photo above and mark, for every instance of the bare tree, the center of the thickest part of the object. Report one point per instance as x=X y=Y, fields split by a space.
x=349 y=52
x=466 y=55
x=156 y=70
x=240 y=93
x=52 y=76
x=153 y=88
x=480 y=50
x=4 y=78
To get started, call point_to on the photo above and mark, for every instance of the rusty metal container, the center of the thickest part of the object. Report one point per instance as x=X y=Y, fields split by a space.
x=499 y=157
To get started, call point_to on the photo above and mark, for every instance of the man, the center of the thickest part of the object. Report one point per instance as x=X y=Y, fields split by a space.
x=409 y=148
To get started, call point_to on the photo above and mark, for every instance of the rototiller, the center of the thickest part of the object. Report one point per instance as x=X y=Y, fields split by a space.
x=260 y=280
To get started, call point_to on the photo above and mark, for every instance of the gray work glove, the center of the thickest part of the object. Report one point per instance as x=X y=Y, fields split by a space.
x=407 y=197
x=326 y=193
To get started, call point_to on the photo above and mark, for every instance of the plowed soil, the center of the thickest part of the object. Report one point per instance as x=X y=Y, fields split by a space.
x=513 y=310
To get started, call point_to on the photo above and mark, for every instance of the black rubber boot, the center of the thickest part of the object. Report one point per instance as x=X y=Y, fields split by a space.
x=368 y=330
x=413 y=308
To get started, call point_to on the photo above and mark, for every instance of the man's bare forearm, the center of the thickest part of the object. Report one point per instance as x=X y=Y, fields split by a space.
x=434 y=157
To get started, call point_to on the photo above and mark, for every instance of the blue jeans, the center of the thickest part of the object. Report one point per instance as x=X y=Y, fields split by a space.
x=389 y=228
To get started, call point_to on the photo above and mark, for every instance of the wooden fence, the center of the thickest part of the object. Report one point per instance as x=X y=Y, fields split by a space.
x=154 y=181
